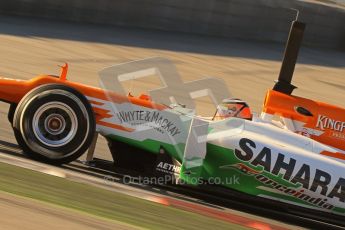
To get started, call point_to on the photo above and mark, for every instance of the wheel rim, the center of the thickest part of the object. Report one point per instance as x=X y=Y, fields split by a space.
x=55 y=124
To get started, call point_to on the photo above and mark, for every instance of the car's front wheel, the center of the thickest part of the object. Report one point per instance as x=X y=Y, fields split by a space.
x=54 y=124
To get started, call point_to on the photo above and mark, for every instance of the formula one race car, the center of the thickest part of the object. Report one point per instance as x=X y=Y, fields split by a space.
x=294 y=153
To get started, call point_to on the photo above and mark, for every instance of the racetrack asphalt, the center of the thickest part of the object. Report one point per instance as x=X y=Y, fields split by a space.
x=29 y=47
x=21 y=213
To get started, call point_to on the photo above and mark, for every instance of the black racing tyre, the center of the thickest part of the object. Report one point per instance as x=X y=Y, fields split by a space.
x=54 y=124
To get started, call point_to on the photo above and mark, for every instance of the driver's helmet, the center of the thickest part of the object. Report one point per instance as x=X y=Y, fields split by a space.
x=233 y=108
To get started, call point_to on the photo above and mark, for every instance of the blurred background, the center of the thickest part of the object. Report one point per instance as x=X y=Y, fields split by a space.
x=239 y=41
x=264 y=20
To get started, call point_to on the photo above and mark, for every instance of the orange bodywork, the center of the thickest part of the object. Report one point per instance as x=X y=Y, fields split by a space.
x=328 y=121
x=13 y=90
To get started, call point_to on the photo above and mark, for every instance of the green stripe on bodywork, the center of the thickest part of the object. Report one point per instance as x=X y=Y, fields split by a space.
x=211 y=169
x=218 y=156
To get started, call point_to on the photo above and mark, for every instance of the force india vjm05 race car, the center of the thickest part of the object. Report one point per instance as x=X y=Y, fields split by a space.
x=293 y=153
